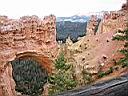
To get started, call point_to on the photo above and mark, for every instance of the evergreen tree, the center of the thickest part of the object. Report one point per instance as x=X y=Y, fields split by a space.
x=62 y=79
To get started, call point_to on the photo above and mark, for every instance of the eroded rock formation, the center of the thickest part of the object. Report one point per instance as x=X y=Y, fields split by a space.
x=92 y=52
x=91 y=26
x=28 y=36
x=112 y=21
x=32 y=37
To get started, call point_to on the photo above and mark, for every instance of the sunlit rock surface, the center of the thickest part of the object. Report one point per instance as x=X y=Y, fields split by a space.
x=96 y=50
x=33 y=37
x=28 y=36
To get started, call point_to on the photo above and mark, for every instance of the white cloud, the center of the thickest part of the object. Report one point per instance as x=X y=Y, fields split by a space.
x=17 y=8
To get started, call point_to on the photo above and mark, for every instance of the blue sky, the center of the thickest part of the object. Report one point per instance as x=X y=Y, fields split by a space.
x=18 y=8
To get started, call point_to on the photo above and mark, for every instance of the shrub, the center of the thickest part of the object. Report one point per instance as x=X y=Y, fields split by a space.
x=102 y=74
x=60 y=62
x=87 y=77
x=110 y=70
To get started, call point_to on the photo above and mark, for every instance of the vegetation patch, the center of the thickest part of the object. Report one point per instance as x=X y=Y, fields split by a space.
x=29 y=76
x=124 y=37
x=63 y=78
x=87 y=77
x=103 y=74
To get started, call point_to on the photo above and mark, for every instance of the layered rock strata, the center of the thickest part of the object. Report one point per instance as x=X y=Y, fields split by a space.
x=29 y=36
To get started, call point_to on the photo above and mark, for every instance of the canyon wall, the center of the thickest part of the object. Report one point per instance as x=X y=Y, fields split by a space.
x=96 y=51
x=32 y=36
x=112 y=21
x=28 y=36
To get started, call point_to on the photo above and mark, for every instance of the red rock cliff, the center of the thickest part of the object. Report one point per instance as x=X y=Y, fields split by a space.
x=93 y=51
x=28 y=36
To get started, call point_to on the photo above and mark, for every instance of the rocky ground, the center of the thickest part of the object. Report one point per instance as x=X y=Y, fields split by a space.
x=97 y=52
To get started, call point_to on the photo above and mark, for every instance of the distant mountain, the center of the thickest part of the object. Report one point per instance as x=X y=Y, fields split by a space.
x=74 y=18
x=81 y=17
x=98 y=14
x=72 y=29
x=74 y=26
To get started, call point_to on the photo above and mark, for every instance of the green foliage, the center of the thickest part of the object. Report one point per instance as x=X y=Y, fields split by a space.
x=87 y=77
x=124 y=51
x=123 y=61
x=60 y=62
x=126 y=44
x=118 y=37
x=62 y=80
x=110 y=70
x=102 y=74
x=123 y=37
x=29 y=76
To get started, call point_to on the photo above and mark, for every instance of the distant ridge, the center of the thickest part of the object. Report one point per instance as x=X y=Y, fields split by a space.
x=80 y=17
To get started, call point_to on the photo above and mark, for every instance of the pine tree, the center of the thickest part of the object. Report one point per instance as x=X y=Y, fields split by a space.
x=63 y=79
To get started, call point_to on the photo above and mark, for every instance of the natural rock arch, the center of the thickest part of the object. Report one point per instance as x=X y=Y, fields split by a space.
x=29 y=36
x=44 y=62
x=7 y=83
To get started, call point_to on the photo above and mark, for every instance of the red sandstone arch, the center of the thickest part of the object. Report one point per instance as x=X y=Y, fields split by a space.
x=45 y=61
x=40 y=45
x=7 y=84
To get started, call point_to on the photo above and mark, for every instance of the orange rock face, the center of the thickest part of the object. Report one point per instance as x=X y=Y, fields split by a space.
x=27 y=33
x=100 y=48
x=95 y=50
x=91 y=25
x=112 y=21
x=28 y=36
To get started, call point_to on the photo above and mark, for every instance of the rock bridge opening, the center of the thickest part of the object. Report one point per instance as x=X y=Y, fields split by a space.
x=30 y=73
